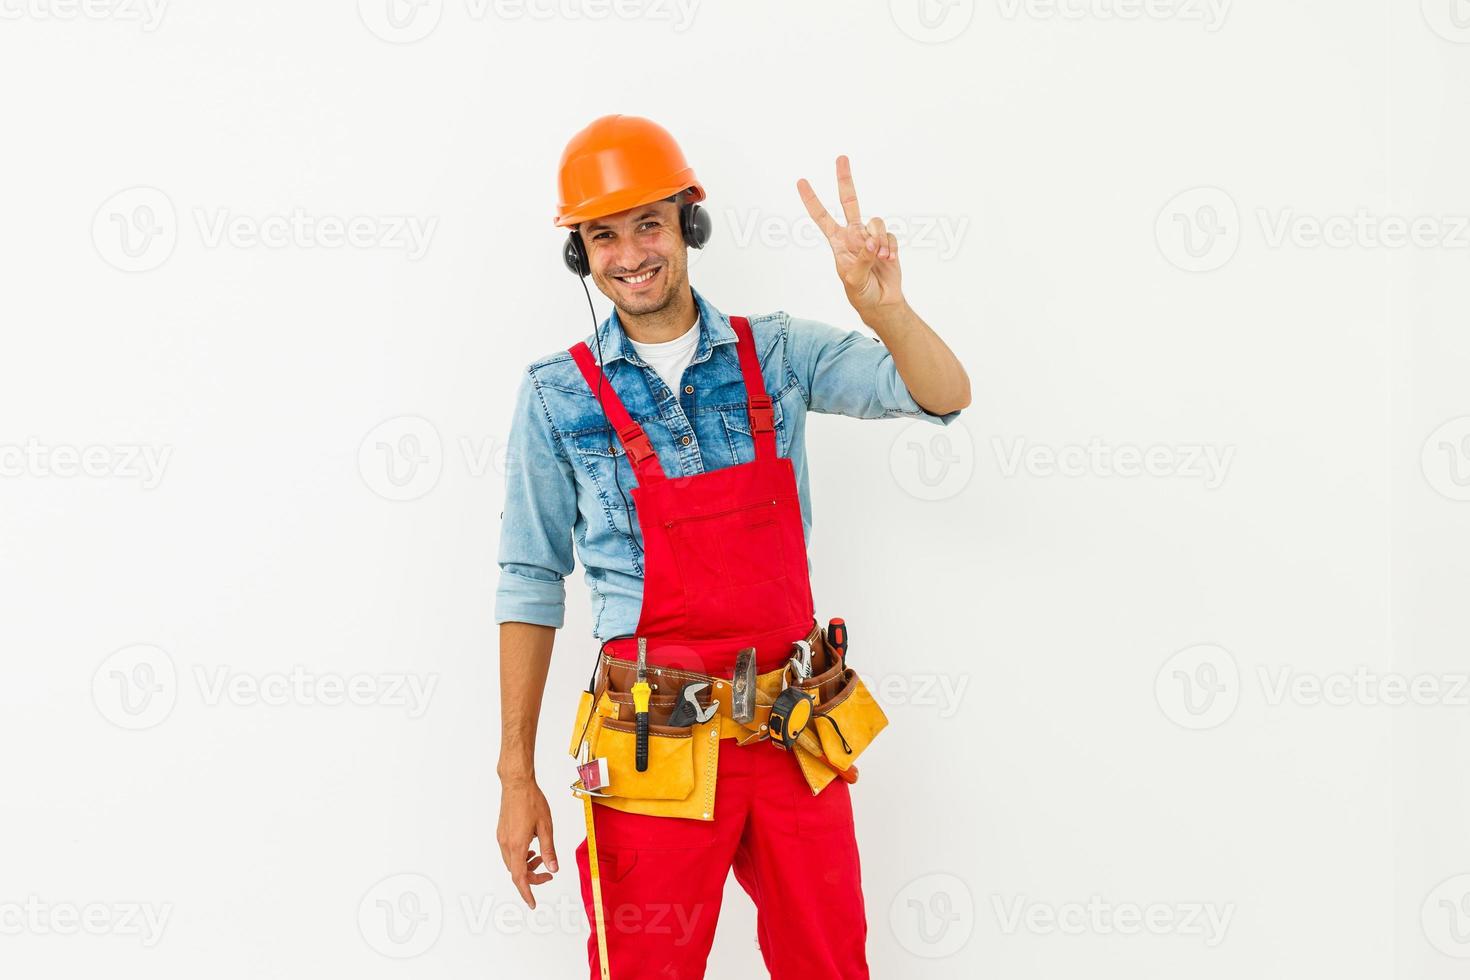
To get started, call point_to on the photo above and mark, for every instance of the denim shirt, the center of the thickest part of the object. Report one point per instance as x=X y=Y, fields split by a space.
x=562 y=479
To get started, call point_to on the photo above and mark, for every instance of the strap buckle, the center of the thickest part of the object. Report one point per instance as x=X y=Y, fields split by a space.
x=636 y=443
x=762 y=418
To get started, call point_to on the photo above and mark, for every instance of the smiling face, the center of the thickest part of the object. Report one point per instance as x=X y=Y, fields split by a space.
x=638 y=257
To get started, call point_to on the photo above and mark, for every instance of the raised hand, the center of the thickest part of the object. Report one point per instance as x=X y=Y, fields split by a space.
x=866 y=255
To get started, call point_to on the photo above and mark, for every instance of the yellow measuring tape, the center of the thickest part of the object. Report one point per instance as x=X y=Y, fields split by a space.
x=596 y=890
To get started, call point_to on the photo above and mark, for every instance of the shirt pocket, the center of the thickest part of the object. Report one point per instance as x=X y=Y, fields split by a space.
x=604 y=468
x=737 y=431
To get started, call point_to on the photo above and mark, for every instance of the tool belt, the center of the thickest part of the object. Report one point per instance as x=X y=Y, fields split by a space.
x=682 y=761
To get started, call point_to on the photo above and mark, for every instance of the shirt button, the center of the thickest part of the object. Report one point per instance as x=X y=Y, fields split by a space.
x=686 y=440
x=688 y=389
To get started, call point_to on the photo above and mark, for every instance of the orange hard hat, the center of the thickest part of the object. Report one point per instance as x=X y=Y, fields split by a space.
x=620 y=162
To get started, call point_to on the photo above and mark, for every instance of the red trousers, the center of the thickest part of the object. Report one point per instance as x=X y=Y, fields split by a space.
x=794 y=853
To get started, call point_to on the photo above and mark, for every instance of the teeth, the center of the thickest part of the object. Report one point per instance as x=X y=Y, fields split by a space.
x=637 y=279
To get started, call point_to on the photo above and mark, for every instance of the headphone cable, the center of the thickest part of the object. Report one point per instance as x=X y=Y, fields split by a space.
x=601 y=374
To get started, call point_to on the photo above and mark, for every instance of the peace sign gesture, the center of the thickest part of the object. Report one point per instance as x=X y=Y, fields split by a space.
x=866 y=255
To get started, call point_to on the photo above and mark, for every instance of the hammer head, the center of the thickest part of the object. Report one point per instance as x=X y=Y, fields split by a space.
x=742 y=694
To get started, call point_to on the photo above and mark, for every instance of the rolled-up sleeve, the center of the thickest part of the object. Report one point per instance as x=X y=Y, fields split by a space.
x=849 y=372
x=540 y=512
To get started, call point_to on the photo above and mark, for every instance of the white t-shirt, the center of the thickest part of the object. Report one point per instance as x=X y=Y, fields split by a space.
x=671 y=357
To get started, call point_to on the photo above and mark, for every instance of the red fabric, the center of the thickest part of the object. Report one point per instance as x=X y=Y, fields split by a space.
x=725 y=568
x=793 y=853
x=724 y=552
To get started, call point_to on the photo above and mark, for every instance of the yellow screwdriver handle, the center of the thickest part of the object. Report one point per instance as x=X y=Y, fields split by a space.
x=641 y=694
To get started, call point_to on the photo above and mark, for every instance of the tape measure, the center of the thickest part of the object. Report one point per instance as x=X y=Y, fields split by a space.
x=595 y=873
x=790 y=715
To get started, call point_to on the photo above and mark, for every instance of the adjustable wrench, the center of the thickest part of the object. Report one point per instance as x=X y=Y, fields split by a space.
x=687 y=710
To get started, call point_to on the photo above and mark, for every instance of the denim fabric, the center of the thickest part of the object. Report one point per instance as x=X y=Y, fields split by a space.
x=562 y=479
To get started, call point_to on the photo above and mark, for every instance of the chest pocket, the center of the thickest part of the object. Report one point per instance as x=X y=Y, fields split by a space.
x=602 y=467
x=734 y=568
x=737 y=431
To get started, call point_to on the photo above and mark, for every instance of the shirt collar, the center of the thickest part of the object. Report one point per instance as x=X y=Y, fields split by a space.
x=714 y=330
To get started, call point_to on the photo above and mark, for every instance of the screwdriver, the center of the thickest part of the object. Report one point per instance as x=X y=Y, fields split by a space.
x=837 y=638
x=641 y=695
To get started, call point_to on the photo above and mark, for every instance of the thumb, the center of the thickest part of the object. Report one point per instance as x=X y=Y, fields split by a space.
x=548 y=848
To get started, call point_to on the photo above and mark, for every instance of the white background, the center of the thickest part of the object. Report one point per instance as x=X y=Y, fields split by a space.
x=1110 y=211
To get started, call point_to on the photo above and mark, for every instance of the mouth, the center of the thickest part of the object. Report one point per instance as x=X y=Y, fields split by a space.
x=640 y=281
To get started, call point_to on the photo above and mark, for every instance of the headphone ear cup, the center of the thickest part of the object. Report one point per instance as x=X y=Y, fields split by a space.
x=696 y=224
x=575 y=258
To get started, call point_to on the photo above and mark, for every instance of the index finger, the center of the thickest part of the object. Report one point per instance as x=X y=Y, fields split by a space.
x=518 y=873
x=814 y=208
x=523 y=886
x=847 y=192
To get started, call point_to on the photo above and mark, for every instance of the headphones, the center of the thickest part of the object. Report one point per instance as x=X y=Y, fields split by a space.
x=694 y=222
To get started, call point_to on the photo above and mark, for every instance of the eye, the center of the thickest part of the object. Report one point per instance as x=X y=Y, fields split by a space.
x=600 y=236
x=649 y=224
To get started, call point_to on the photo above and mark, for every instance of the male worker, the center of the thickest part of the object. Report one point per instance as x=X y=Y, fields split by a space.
x=699 y=418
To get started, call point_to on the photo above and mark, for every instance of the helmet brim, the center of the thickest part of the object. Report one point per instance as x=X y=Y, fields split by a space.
x=606 y=204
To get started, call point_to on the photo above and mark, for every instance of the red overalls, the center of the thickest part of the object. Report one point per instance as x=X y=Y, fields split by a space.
x=725 y=568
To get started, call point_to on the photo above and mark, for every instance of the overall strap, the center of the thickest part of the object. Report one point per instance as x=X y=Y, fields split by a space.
x=762 y=419
x=630 y=434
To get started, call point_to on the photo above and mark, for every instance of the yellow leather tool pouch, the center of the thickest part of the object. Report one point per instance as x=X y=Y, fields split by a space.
x=670 y=772
x=682 y=762
x=848 y=721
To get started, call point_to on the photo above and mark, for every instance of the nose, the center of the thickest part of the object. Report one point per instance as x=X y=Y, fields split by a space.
x=628 y=256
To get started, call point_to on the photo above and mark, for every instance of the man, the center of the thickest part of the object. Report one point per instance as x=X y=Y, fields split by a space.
x=709 y=412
